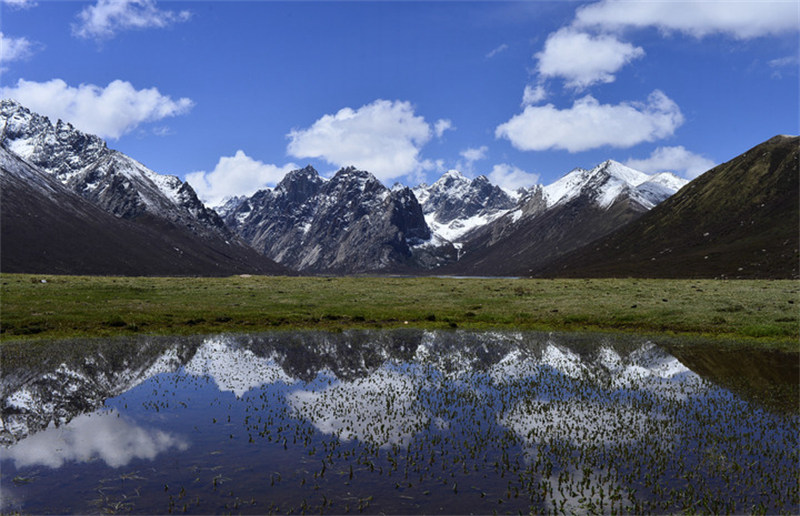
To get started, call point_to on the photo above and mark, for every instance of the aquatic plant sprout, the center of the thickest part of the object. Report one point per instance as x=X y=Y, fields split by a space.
x=403 y=421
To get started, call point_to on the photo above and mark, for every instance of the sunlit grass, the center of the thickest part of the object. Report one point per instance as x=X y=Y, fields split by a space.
x=72 y=306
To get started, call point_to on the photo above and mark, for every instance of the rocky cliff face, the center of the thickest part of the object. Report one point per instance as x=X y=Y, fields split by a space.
x=350 y=223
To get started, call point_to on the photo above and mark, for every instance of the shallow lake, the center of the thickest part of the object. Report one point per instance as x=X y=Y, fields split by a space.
x=398 y=422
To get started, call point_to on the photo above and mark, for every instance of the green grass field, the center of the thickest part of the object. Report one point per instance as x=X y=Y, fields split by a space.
x=83 y=306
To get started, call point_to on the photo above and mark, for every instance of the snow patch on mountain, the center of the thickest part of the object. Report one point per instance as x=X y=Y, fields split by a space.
x=455 y=205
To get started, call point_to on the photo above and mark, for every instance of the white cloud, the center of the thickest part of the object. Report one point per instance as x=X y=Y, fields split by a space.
x=740 y=19
x=589 y=124
x=107 y=112
x=673 y=159
x=20 y=4
x=511 y=178
x=14 y=49
x=784 y=61
x=383 y=137
x=583 y=59
x=474 y=154
x=783 y=64
x=533 y=94
x=108 y=17
x=442 y=125
x=236 y=175
x=496 y=50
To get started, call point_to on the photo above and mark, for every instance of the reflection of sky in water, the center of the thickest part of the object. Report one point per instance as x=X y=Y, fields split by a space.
x=102 y=435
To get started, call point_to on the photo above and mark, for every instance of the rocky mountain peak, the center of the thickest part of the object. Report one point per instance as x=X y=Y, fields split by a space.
x=299 y=185
x=357 y=182
x=57 y=148
x=107 y=178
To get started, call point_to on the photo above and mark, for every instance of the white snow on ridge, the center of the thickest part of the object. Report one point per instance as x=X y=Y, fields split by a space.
x=455 y=229
x=611 y=179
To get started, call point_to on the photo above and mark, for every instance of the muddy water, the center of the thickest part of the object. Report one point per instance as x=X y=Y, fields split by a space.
x=398 y=422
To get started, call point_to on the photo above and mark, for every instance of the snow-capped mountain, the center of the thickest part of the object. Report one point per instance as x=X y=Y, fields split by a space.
x=349 y=223
x=549 y=221
x=71 y=205
x=611 y=180
x=108 y=178
x=455 y=205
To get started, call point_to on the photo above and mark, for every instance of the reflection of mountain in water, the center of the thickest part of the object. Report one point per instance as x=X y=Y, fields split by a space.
x=76 y=377
x=369 y=372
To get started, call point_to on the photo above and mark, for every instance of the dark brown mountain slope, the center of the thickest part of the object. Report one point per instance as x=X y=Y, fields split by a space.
x=46 y=228
x=740 y=219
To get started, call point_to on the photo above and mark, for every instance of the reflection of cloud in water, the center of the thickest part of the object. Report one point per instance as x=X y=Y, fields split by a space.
x=381 y=408
x=104 y=436
x=234 y=369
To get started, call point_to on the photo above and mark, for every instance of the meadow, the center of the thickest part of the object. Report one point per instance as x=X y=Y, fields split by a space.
x=52 y=307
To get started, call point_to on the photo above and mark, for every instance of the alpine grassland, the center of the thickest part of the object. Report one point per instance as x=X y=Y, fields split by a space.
x=52 y=307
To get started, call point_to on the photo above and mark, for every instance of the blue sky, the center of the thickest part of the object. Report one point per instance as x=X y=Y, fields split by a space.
x=231 y=95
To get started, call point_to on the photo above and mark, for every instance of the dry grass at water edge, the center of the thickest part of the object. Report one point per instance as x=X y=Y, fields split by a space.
x=47 y=306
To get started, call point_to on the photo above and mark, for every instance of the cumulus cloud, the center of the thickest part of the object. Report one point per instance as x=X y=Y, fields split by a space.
x=533 y=94
x=589 y=124
x=742 y=20
x=384 y=137
x=14 y=49
x=511 y=178
x=107 y=112
x=474 y=154
x=582 y=59
x=108 y=17
x=442 y=125
x=673 y=159
x=236 y=175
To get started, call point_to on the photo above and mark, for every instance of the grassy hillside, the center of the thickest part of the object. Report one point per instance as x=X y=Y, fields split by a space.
x=72 y=306
x=739 y=220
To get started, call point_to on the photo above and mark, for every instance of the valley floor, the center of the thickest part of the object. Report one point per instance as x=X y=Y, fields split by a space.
x=45 y=307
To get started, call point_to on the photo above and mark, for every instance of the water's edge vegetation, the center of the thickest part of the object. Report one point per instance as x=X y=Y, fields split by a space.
x=52 y=307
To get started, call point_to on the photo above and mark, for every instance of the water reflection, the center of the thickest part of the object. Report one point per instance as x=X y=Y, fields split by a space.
x=233 y=368
x=105 y=436
x=379 y=408
x=404 y=421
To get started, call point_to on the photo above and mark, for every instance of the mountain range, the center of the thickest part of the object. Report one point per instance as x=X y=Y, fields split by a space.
x=72 y=205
